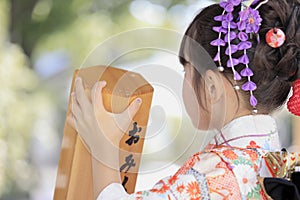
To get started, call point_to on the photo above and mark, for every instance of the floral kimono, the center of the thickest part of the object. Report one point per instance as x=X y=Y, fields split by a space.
x=226 y=169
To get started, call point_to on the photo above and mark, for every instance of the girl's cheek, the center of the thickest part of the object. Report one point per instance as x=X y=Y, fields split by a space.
x=190 y=101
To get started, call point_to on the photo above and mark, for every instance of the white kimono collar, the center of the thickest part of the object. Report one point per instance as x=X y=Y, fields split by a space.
x=251 y=131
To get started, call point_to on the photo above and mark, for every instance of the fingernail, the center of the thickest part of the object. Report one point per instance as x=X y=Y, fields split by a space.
x=103 y=83
x=139 y=100
x=77 y=80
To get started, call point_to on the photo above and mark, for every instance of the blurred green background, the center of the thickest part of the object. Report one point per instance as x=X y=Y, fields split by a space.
x=41 y=43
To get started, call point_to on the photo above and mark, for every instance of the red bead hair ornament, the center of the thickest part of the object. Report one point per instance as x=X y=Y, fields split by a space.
x=275 y=37
x=294 y=101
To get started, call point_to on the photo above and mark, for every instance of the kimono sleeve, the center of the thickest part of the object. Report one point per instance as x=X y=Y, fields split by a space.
x=173 y=187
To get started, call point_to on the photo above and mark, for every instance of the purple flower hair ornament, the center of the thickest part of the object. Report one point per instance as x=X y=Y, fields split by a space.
x=233 y=35
x=249 y=20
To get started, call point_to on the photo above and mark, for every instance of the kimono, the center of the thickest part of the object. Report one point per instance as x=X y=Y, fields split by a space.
x=226 y=169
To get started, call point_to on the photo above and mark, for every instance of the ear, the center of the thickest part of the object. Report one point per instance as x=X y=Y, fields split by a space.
x=214 y=86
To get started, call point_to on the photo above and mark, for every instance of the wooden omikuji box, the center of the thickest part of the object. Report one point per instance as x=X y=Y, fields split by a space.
x=74 y=176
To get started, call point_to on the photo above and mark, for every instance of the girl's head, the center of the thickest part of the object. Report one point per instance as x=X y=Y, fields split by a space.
x=274 y=68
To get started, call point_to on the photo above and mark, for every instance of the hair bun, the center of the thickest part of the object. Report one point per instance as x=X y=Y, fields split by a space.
x=283 y=62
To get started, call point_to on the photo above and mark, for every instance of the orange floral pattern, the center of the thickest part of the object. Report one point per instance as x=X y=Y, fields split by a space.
x=252 y=144
x=180 y=188
x=237 y=181
x=253 y=155
x=172 y=180
x=193 y=190
x=228 y=153
x=222 y=172
x=224 y=186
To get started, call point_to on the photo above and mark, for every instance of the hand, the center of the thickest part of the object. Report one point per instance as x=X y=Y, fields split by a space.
x=100 y=130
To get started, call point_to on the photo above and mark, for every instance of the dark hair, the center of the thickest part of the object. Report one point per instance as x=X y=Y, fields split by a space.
x=274 y=68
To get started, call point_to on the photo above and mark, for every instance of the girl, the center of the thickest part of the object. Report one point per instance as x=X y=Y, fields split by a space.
x=255 y=45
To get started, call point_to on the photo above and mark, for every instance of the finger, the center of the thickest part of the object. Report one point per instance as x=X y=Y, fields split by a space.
x=97 y=100
x=75 y=108
x=134 y=107
x=126 y=117
x=71 y=121
x=80 y=94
